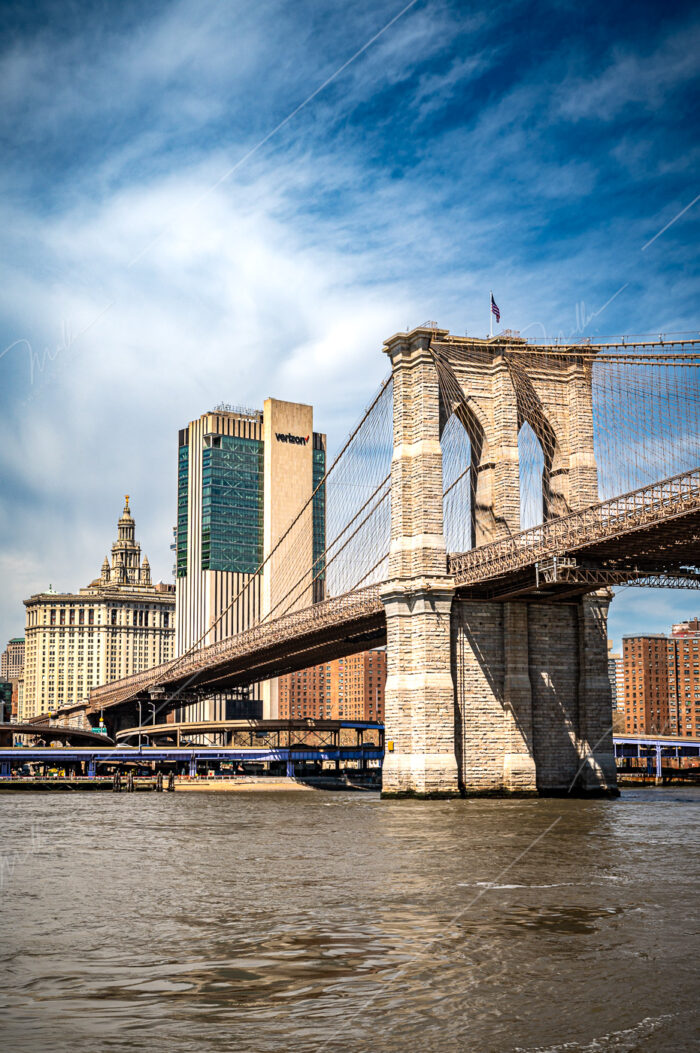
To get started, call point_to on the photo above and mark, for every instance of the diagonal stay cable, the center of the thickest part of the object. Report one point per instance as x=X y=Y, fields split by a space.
x=285 y=535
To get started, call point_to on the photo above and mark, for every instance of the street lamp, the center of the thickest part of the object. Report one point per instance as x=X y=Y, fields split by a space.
x=139 y=705
x=153 y=707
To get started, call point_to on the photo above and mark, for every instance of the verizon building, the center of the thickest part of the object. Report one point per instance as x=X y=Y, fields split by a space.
x=243 y=478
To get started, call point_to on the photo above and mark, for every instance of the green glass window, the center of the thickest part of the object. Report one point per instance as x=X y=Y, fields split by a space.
x=182 y=485
x=232 y=505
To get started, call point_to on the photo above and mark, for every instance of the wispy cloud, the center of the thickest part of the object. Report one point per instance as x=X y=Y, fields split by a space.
x=456 y=155
x=646 y=78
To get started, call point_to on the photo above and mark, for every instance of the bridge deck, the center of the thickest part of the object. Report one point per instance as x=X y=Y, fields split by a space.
x=651 y=531
x=648 y=532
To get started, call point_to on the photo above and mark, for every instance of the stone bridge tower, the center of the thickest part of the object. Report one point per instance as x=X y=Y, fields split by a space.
x=419 y=700
x=489 y=696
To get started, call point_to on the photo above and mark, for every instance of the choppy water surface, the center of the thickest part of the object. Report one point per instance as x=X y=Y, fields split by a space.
x=338 y=922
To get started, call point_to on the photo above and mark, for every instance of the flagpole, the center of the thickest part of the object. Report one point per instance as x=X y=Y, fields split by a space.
x=490 y=314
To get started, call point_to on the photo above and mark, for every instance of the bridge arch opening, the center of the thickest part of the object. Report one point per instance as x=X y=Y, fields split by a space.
x=533 y=475
x=470 y=515
x=457 y=477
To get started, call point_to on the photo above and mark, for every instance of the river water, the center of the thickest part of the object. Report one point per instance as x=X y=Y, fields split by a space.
x=339 y=922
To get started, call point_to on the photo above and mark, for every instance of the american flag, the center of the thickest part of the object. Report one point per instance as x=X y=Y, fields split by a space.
x=495 y=309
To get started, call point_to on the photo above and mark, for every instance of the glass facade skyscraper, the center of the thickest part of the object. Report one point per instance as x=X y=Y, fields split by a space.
x=181 y=530
x=243 y=477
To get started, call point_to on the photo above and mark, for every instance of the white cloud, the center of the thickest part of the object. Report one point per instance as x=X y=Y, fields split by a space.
x=434 y=90
x=645 y=80
x=228 y=302
x=282 y=281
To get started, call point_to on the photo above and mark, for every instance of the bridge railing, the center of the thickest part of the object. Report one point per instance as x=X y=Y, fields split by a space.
x=326 y=613
x=648 y=504
x=135 y=681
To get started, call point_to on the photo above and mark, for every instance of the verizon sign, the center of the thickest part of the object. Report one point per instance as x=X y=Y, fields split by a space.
x=299 y=440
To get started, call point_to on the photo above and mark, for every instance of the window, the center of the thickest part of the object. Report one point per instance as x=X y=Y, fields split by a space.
x=232 y=505
x=182 y=525
x=319 y=520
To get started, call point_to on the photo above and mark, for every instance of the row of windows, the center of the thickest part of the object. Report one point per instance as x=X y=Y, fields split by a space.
x=140 y=618
x=232 y=505
x=181 y=534
x=71 y=616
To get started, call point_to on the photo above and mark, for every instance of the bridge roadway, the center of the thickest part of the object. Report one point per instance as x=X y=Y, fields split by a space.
x=648 y=535
x=50 y=732
x=331 y=629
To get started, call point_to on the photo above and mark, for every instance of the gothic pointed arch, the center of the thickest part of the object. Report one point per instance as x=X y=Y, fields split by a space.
x=485 y=524
x=531 y=412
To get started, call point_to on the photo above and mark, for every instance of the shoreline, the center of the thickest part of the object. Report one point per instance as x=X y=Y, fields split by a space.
x=242 y=784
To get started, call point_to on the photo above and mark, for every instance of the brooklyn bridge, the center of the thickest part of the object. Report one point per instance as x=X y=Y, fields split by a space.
x=477 y=517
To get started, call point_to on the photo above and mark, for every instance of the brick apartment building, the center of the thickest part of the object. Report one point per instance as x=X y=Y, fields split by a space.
x=350 y=688
x=662 y=681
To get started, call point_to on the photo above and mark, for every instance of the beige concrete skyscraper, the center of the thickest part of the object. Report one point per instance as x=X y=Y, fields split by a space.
x=243 y=477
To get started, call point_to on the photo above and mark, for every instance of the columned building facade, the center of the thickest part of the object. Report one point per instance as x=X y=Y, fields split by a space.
x=119 y=624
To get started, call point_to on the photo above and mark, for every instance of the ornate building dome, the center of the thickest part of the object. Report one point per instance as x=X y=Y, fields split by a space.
x=126 y=552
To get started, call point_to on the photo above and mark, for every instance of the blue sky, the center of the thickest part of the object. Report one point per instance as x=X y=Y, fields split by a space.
x=532 y=149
